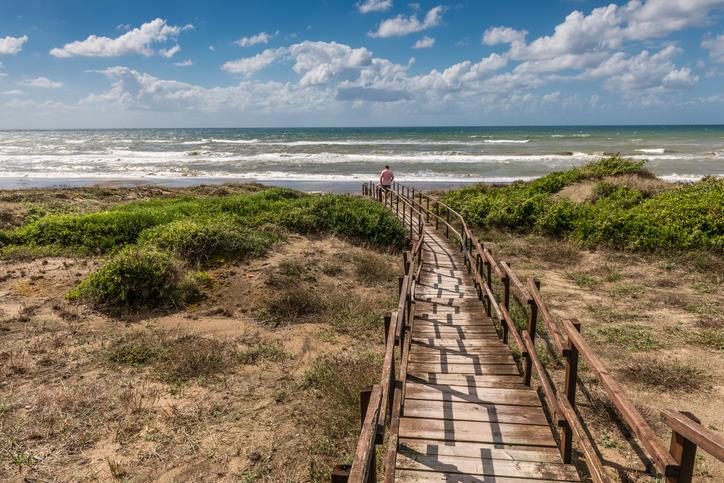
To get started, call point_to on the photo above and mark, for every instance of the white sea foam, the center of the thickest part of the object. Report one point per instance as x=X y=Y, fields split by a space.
x=234 y=141
x=651 y=150
x=507 y=141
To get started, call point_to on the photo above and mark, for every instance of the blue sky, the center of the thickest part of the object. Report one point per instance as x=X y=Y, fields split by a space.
x=374 y=63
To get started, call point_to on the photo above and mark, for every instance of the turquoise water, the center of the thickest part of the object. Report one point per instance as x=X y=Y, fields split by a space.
x=449 y=154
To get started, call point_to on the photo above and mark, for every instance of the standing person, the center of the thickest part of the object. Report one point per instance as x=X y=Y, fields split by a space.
x=386 y=179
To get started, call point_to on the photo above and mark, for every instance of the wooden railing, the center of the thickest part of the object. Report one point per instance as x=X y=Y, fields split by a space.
x=380 y=406
x=676 y=463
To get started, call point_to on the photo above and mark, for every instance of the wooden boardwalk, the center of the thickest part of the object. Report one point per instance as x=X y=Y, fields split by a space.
x=467 y=415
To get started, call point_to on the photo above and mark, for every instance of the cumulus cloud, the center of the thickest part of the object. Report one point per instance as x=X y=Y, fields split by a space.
x=656 y=18
x=136 y=41
x=249 y=65
x=260 y=38
x=12 y=45
x=424 y=43
x=503 y=35
x=374 y=6
x=715 y=46
x=41 y=82
x=168 y=53
x=400 y=26
x=643 y=72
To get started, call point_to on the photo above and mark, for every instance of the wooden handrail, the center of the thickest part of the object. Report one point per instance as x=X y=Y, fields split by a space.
x=519 y=289
x=551 y=325
x=662 y=458
x=362 y=461
x=695 y=432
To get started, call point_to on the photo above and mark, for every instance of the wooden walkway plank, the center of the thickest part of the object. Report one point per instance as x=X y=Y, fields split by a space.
x=466 y=414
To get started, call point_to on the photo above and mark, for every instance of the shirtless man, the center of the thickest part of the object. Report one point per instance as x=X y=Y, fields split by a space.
x=386 y=179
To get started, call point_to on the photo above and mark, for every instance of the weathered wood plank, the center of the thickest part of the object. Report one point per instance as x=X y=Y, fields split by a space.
x=476 y=432
x=463 y=358
x=483 y=395
x=459 y=411
x=479 y=369
x=488 y=467
x=476 y=450
x=409 y=476
x=469 y=380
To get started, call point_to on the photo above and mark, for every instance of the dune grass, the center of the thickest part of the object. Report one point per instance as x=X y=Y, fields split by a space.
x=155 y=246
x=618 y=215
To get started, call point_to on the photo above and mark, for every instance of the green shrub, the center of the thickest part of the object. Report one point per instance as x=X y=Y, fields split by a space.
x=201 y=241
x=689 y=216
x=137 y=278
x=361 y=220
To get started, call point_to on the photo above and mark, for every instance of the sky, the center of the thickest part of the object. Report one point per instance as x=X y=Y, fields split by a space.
x=125 y=64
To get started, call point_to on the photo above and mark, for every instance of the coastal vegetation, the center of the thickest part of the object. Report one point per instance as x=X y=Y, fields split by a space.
x=156 y=246
x=613 y=202
x=250 y=319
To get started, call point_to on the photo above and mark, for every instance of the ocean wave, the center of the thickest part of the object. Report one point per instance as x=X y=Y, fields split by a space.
x=651 y=150
x=507 y=141
x=578 y=135
x=234 y=141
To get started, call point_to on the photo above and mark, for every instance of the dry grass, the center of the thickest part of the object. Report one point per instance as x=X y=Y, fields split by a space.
x=672 y=375
x=334 y=383
x=173 y=357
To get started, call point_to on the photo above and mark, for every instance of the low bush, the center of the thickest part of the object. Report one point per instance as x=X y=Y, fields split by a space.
x=620 y=215
x=137 y=278
x=202 y=241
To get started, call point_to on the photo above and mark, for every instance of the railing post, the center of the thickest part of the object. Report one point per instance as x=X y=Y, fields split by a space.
x=364 y=402
x=437 y=215
x=684 y=452
x=427 y=209
x=340 y=473
x=532 y=321
x=447 y=219
x=387 y=320
x=570 y=394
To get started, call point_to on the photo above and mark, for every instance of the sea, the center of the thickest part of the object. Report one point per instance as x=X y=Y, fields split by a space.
x=337 y=159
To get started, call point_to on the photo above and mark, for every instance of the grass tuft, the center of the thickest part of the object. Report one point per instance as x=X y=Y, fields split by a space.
x=671 y=375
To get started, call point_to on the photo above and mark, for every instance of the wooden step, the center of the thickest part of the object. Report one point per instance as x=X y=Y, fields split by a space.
x=473 y=450
x=498 y=413
x=410 y=476
x=469 y=380
x=477 y=369
x=476 y=432
x=467 y=394
x=487 y=467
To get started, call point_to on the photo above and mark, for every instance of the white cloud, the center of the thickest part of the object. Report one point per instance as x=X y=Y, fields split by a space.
x=249 y=65
x=319 y=62
x=643 y=72
x=503 y=35
x=2 y=74
x=656 y=18
x=168 y=53
x=715 y=46
x=374 y=6
x=400 y=25
x=606 y=28
x=424 y=43
x=12 y=45
x=124 y=27
x=260 y=38
x=184 y=63
x=41 y=82
x=136 y=41
x=133 y=90
x=12 y=92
